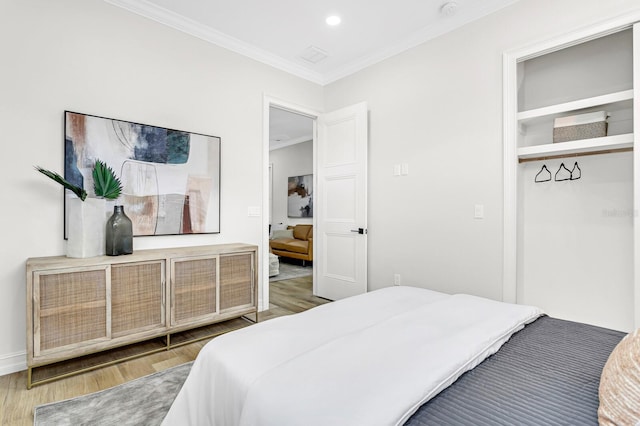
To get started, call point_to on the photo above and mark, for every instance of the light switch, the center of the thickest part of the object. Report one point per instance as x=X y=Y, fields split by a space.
x=253 y=211
x=404 y=169
x=478 y=212
x=396 y=169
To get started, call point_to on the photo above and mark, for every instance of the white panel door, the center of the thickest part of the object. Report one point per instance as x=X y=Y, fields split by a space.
x=341 y=234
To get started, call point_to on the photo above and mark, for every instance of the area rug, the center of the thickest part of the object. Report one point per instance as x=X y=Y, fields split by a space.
x=289 y=271
x=144 y=401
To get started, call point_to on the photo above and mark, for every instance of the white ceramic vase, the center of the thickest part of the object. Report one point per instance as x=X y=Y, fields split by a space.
x=86 y=227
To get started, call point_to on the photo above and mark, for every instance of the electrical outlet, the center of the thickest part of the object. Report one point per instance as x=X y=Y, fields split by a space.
x=397 y=279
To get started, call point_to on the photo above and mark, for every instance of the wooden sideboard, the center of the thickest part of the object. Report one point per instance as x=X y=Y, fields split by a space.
x=127 y=306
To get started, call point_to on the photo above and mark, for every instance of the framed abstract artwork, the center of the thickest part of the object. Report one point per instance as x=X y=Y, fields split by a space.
x=300 y=196
x=170 y=178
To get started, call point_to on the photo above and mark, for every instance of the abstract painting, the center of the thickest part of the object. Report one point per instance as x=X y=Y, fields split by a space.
x=300 y=196
x=170 y=178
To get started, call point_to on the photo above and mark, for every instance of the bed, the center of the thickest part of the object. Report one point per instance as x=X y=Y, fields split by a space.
x=400 y=355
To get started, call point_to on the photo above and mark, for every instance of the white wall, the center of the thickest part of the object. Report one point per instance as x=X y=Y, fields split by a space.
x=91 y=57
x=294 y=160
x=438 y=107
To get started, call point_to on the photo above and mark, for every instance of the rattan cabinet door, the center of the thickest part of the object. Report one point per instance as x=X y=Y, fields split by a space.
x=236 y=281
x=70 y=309
x=193 y=289
x=137 y=297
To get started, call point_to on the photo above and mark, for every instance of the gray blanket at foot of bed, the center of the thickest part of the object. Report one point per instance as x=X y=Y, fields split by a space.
x=546 y=374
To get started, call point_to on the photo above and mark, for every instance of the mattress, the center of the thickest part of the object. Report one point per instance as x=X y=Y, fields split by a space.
x=548 y=373
x=392 y=348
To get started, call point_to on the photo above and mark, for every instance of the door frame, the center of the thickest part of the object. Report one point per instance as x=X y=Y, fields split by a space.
x=267 y=102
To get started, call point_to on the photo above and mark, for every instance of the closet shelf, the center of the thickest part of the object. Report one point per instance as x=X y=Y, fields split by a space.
x=583 y=146
x=610 y=98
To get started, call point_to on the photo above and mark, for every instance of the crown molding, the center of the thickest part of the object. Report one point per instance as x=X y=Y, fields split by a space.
x=164 y=16
x=418 y=38
x=196 y=29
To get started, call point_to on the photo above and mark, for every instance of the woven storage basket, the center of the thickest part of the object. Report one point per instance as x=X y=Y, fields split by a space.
x=583 y=126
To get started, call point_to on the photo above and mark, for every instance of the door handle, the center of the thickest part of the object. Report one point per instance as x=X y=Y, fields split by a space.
x=359 y=231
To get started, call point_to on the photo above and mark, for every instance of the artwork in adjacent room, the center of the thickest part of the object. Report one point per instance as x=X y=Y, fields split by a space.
x=300 y=196
x=170 y=178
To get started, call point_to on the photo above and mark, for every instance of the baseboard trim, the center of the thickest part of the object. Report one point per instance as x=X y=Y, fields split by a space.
x=12 y=363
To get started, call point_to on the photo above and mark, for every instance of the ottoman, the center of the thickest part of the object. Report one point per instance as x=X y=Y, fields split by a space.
x=274 y=265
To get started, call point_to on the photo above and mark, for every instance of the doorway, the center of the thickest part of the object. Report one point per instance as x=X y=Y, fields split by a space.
x=288 y=152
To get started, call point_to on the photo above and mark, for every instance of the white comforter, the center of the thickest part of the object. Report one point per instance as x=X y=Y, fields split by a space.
x=367 y=360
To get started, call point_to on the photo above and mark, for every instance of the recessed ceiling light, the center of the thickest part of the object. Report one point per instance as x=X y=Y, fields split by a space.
x=333 y=20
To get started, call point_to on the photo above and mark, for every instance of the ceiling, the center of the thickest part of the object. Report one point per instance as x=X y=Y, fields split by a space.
x=279 y=32
x=287 y=128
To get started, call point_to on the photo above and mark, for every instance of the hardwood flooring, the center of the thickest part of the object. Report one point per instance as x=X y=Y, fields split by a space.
x=17 y=403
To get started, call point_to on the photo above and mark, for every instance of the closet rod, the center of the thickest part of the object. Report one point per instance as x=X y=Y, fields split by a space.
x=578 y=154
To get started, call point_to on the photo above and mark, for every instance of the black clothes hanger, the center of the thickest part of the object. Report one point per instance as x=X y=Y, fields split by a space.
x=563 y=173
x=576 y=173
x=544 y=175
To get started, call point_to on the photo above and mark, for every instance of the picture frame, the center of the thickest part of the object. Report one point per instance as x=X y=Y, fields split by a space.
x=170 y=178
x=300 y=196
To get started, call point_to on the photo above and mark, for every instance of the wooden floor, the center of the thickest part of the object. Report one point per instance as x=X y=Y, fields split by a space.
x=17 y=403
